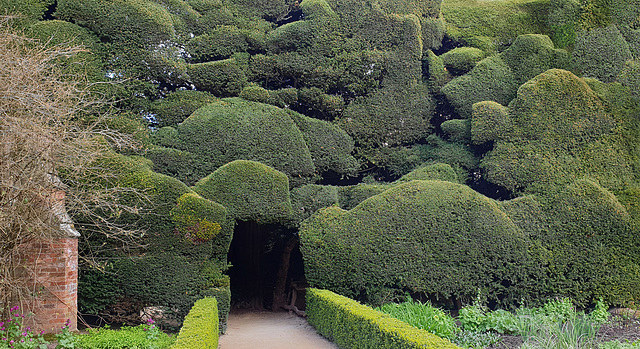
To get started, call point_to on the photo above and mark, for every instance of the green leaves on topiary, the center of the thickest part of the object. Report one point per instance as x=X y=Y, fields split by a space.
x=393 y=240
x=601 y=53
x=462 y=59
x=222 y=78
x=234 y=129
x=250 y=191
x=556 y=131
x=497 y=78
x=198 y=219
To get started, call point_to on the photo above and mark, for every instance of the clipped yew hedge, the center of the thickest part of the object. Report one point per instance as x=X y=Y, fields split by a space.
x=250 y=191
x=352 y=325
x=393 y=240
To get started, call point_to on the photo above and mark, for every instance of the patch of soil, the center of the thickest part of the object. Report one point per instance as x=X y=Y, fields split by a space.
x=270 y=330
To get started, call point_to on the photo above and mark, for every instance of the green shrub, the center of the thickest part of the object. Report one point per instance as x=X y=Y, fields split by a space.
x=433 y=68
x=497 y=78
x=182 y=165
x=490 y=80
x=220 y=43
x=587 y=217
x=630 y=76
x=143 y=336
x=438 y=171
x=564 y=16
x=249 y=190
x=548 y=149
x=365 y=250
x=457 y=130
x=601 y=53
x=222 y=78
x=200 y=328
x=462 y=59
x=32 y=10
x=309 y=198
x=249 y=131
x=329 y=145
x=136 y=22
x=493 y=25
x=389 y=117
x=178 y=105
x=85 y=64
x=490 y=121
x=350 y=196
x=352 y=325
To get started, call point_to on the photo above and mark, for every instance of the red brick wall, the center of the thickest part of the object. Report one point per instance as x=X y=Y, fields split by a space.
x=52 y=269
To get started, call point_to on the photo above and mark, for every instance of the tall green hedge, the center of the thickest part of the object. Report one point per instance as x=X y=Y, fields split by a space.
x=350 y=324
x=249 y=190
x=393 y=241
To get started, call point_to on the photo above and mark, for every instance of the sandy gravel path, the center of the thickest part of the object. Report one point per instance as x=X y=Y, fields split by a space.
x=269 y=330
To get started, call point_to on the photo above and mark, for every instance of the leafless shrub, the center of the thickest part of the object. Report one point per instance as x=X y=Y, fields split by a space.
x=51 y=126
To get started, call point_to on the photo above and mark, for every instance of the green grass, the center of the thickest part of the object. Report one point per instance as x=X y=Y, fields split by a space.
x=423 y=316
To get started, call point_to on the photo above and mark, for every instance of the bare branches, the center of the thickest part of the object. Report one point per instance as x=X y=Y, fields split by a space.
x=52 y=126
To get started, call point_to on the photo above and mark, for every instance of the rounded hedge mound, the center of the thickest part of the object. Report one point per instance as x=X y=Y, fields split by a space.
x=432 y=237
x=236 y=129
x=250 y=191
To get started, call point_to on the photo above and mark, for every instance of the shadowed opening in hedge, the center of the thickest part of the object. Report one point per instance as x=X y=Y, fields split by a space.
x=258 y=255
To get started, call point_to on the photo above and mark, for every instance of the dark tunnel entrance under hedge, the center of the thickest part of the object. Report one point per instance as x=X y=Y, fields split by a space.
x=265 y=260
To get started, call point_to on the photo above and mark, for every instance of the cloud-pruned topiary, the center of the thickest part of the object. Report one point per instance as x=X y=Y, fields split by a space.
x=497 y=78
x=178 y=105
x=234 y=129
x=29 y=11
x=494 y=25
x=601 y=53
x=460 y=60
x=306 y=200
x=491 y=79
x=138 y=22
x=457 y=130
x=396 y=239
x=630 y=76
x=329 y=145
x=250 y=191
x=438 y=171
x=557 y=130
x=594 y=247
x=223 y=78
x=389 y=117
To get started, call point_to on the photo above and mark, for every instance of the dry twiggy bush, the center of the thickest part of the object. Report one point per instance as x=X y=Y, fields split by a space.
x=52 y=137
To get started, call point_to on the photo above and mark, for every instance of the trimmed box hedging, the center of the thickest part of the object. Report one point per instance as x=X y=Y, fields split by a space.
x=462 y=59
x=222 y=295
x=200 y=328
x=350 y=324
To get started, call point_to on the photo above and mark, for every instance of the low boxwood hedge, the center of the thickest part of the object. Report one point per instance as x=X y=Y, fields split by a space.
x=200 y=328
x=352 y=325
